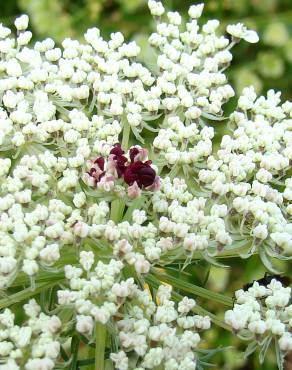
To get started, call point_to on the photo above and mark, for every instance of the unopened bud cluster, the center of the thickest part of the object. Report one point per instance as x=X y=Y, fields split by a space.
x=108 y=169
x=33 y=346
x=263 y=311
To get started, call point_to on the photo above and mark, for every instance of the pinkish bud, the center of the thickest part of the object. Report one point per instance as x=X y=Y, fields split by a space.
x=111 y=165
x=138 y=154
x=81 y=229
x=156 y=184
x=134 y=191
x=106 y=183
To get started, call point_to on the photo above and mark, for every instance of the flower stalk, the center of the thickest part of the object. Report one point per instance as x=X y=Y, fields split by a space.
x=100 y=342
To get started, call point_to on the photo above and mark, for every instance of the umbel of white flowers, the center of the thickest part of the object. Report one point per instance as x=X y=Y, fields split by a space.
x=66 y=117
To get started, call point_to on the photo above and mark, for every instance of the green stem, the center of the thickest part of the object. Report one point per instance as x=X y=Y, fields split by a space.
x=126 y=134
x=74 y=350
x=229 y=253
x=197 y=309
x=193 y=289
x=201 y=311
x=100 y=340
x=42 y=277
x=117 y=210
x=25 y=294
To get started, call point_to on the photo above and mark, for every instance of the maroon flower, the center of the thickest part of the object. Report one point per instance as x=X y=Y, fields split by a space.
x=100 y=162
x=121 y=165
x=137 y=153
x=117 y=150
x=119 y=159
x=97 y=172
x=142 y=173
x=133 y=152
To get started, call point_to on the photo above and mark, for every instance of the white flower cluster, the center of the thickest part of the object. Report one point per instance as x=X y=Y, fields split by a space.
x=35 y=227
x=250 y=162
x=183 y=225
x=191 y=64
x=191 y=80
x=263 y=311
x=159 y=334
x=100 y=295
x=40 y=85
x=180 y=144
x=33 y=234
x=34 y=345
x=187 y=222
x=67 y=117
x=49 y=100
x=95 y=294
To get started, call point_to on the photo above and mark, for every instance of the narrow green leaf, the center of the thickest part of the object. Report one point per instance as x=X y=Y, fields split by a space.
x=74 y=350
x=87 y=361
x=137 y=135
x=267 y=262
x=117 y=210
x=25 y=294
x=279 y=356
x=126 y=134
x=213 y=261
x=197 y=309
x=264 y=349
x=193 y=289
x=250 y=348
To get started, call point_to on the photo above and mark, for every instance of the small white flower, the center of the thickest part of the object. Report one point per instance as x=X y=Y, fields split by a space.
x=21 y=22
x=84 y=324
x=86 y=260
x=120 y=359
x=260 y=232
x=239 y=31
x=156 y=8
x=195 y=11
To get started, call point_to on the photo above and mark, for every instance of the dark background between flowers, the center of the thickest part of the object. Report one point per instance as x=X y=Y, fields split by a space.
x=265 y=65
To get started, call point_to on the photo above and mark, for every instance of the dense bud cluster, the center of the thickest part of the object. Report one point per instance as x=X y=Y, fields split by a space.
x=263 y=312
x=32 y=346
x=162 y=334
x=250 y=162
x=108 y=169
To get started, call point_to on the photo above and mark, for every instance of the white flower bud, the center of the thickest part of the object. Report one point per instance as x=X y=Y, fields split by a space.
x=21 y=22
x=86 y=260
x=285 y=342
x=257 y=327
x=260 y=232
x=81 y=229
x=142 y=266
x=79 y=199
x=195 y=11
x=50 y=253
x=84 y=324
x=156 y=8
x=30 y=267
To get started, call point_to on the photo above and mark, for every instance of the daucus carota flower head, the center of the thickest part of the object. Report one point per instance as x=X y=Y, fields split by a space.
x=109 y=180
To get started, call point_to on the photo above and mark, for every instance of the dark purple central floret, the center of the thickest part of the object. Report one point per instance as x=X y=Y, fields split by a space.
x=141 y=173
